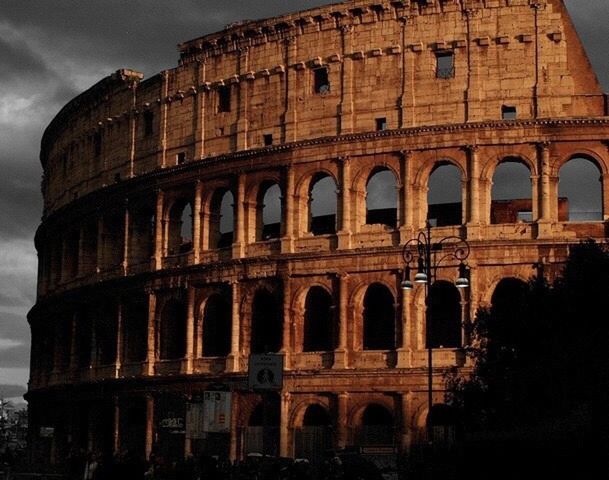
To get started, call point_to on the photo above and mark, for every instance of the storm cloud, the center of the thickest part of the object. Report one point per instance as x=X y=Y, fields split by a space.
x=52 y=50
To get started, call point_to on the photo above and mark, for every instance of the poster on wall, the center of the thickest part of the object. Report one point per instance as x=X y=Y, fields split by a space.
x=216 y=412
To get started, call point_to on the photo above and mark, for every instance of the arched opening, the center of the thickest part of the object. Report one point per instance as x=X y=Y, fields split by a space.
x=377 y=427
x=511 y=197
x=141 y=238
x=269 y=212
x=319 y=331
x=322 y=205
x=84 y=337
x=382 y=198
x=580 y=191
x=262 y=432
x=106 y=333
x=113 y=239
x=180 y=228
x=379 y=318
x=267 y=322
x=172 y=332
x=217 y=326
x=222 y=219
x=314 y=438
x=71 y=255
x=508 y=311
x=444 y=422
x=444 y=200
x=135 y=328
x=444 y=329
x=63 y=341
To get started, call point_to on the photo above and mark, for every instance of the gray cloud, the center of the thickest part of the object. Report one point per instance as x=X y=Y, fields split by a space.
x=17 y=356
x=11 y=391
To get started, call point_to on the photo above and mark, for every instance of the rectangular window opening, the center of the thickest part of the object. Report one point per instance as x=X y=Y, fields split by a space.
x=268 y=139
x=381 y=124
x=508 y=112
x=525 y=216
x=97 y=144
x=224 y=95
x=445 y=65
x=148 y=121
x=322 y=80
x=180 y=158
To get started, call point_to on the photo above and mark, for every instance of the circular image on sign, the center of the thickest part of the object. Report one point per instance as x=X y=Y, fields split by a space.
x=265 y=376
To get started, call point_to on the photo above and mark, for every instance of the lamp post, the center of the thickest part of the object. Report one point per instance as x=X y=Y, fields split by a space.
x=428 y=255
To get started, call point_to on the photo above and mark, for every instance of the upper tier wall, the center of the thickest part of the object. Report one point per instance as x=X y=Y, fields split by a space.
x=382 y=72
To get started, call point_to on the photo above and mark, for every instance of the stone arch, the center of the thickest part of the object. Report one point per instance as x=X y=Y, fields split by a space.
x=375 y=425
x=580 y=194
x=297 y=416
x=445 y=321
x=381 y=196
x=496 y=280
x=511 y=191
x=269 y=211
x=266 y=325
x=379 y=318
x=172 y=330
x=319 y=323
x=216 y=324
x=445 y=193
x=179 y=226
x=322 y=203
x=221 y=221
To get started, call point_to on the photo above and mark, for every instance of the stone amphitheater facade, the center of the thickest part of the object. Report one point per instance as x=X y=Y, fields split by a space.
x=147 y=298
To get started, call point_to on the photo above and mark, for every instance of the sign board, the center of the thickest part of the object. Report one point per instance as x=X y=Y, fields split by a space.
x=216 y=412
x=266 y=372
x=172 y=424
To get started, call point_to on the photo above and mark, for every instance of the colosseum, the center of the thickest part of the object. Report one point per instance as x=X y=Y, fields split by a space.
x=257 y=198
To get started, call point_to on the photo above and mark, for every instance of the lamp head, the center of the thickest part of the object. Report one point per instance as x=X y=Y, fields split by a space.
x=463 y=279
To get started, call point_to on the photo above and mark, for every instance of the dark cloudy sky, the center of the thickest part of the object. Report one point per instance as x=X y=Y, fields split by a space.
x=50 y=50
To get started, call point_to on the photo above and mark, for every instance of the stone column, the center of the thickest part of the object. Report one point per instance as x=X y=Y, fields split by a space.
x=284 y=428
x=287 y=241
x=405 y=351
x=199 y=112
x=119 y=340
x=149 y=440
x=151 y=355
x=74 y=345
x=341 y=355
x=406 y=408
x=235 y=353
x=126 y=238
x=344 y=234
x=474 y=198
x=544 y=227
x=406 y=202
x=347 y=90
x=605 y=190
x=158 y=231
x=239 y=221
x=100 y=262
x=196 y=223
x=234 y=428
x=342 y=427
x=288 y=322
x=190 y=331
x=117 y=425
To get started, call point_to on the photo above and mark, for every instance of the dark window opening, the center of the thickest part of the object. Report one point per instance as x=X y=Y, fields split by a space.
x=382 y=199
x=321 y=80
x=381 y=124
x=269 y=212
x=267 y=323
x=135 y=321
x=377 y=426
x=97 y=144
x=323 y=206
x=221 y=223
x=319 y=334
x=316 y=416
x=268 y=139
x=508 y=112
x=141 y=238
x=511 y=191
x=106 y=333
x=262 y=433
x=84 y=336
x=172 y=341
x=180 y=158
x=581 y=190
x=217 y=326
x=444 y=206
x=445 y=65
x=148 y=123
x=224 y=99
x=379 y=318
x=180 y=229
x=444 y=329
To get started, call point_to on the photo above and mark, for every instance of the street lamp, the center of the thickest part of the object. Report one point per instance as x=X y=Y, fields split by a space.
x=427 y=256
